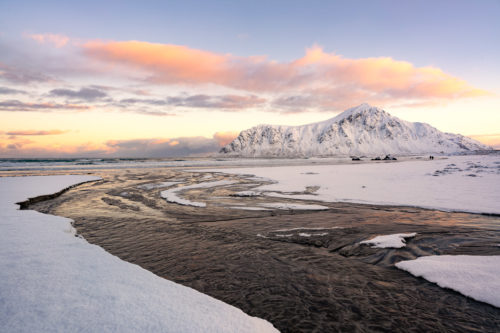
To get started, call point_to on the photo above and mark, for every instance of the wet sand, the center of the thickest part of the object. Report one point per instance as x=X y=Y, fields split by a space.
x=325 y=282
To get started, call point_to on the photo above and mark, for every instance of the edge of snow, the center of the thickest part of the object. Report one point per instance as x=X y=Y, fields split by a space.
x=54 y=281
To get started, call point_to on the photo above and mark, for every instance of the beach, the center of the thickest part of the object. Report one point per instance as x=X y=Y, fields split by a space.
x=295 y=262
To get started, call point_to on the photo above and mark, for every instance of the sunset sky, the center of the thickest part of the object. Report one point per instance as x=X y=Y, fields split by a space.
x=161 y=78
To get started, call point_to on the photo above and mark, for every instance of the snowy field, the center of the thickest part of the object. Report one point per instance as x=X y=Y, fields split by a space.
x=456 y=183
x=52 y=281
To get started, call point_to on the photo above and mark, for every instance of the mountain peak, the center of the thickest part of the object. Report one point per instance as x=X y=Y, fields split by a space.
x=361 y=130
x=364 y=108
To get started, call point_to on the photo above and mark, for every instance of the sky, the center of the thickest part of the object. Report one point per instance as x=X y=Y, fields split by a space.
x=160 y=78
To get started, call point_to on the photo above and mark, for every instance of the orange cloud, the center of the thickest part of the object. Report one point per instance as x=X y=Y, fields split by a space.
x=18 y=149
x=55 y=39
x=328 y=78
x=173 y=63
x=386 y=75
x=224 y=138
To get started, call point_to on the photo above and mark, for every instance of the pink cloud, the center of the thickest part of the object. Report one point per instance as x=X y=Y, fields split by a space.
x=317 y=73
x=167 y=63
x=224 y=138
x=54 y=39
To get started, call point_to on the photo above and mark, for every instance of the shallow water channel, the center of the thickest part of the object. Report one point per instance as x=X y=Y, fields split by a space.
x=302 y=270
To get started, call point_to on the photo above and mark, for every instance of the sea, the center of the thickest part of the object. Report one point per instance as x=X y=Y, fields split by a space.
x=33 y=164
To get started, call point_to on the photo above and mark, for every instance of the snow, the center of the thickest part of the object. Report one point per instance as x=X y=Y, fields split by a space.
x=285 y=206
x=362 y=130
x=389 y=241
x=408 y=183
x=171 y=194
x=52 y=281
x=306 y=234
x=288 y=196
x=246 y=194
x=475 y=276
x=16 y=165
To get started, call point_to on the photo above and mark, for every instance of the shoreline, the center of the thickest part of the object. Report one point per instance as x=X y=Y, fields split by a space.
x=84 y=287
x=202 y=163
x=216 y=251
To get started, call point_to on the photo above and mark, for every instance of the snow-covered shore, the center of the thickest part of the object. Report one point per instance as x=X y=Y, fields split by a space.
x=52 y=281
x=171 y=194
x=457 y=183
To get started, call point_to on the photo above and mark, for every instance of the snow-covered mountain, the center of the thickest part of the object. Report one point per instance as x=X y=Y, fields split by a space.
x=362 y=130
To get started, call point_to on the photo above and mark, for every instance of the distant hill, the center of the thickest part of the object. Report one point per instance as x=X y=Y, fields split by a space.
x=362 y=130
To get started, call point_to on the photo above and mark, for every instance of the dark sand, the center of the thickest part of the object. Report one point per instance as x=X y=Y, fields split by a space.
x=321 y=283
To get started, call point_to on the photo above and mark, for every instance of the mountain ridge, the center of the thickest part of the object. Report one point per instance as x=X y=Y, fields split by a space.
x=361 y=130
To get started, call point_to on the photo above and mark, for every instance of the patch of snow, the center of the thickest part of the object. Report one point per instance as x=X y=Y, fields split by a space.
x=283 y=235
x=52 y=281
x=389 y=241
x=408 y=183
x=171 y=194
x=286 y=206
x=305 y=234
x=291 y=196
x=475 y=276
x=246 y=194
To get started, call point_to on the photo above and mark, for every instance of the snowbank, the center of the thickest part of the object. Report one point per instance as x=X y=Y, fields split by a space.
x=246 y=194
x=292 y=206
x=389 y=241
x=458 y=183
x=475 y=276
x=52 y=281
x=171 y=194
